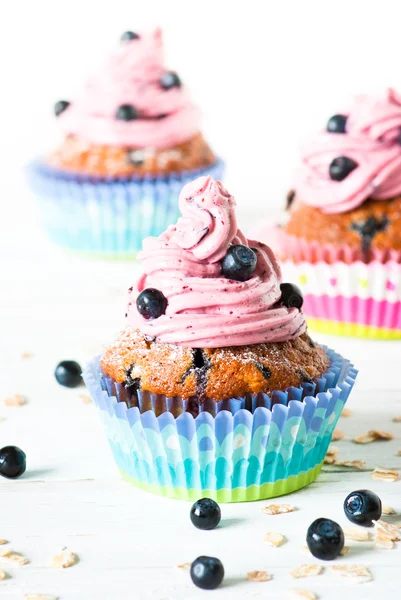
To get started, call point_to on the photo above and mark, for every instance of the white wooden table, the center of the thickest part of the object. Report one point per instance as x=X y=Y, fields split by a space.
x=129 y=543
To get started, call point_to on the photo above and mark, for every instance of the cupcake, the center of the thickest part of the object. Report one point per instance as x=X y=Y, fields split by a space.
x=214 y=388
x=131 y=140
x=342 y=238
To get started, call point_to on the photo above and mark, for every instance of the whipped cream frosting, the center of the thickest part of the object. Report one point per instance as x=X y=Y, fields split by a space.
x=132 y=76
x=204 y=308
x=372 y=140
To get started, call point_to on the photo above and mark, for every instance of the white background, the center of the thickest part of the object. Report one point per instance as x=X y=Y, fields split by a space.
x=264 y=73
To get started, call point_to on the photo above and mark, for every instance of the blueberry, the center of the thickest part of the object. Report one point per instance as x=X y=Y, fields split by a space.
x=369 y=228
x=126 y=112
x=151 y=303
x=205 y=514
x=68 y=373
x=291 y=295
x=362 y=507
x=169 y=80
x=60 y=107
x=337 y=124
x=128 y=36
x=239 y=263
x=207 y=572
x=340 y=167
x=12 y=462
x=325 y=539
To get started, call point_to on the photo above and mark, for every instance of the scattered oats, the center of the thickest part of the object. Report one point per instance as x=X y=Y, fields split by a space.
x=351 y=464
x=274 y=539
x=385 y=474
x=337 y=435
x=347 y=412
x=357 y=535
x=184 y=566
x=387 y=531
x=329 y=460
x=398 y=452
x=345 y=550
x=305 y=549
x=27 y=355
x=2 y=542
x=64 y=560
x=332 y=450
x=40 y=597
x=86 y=399
x=14 y=557
x=384 y=543
x=277 y=509
x=397 y=419
x=300 y=593
x=3 y=575
x=258 y=576
x=359 y=571
x=15 y=400
x=372 y=436
x=387 y=510
x=306 y=571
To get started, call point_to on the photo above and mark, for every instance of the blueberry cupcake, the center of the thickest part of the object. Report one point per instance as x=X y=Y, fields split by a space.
x=214 y=388
x=342 y=237
x=131 y=140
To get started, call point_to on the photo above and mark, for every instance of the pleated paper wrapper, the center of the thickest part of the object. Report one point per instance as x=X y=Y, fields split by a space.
x=237 y=450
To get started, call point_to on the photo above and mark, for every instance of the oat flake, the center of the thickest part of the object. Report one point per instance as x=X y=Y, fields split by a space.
x=385 y=474
x=64 y=559
x=184 y=566
x=337 y=435
x=351 y=464
x=3 y=575
x=274 y=539
x=387 y=510
x=347 y=412
x=14 y=557
x=277 y=509
x=359 y=571
x=387 y=531
x=357 y=535
x=301 y=593
x=306 y=571
x=258 y=576
x=15 y=400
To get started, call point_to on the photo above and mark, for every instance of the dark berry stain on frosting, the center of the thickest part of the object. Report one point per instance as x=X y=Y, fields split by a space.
x=126 y=112
x=290 y=199
x=60 y=107
x=368 y=229
x=129 y=36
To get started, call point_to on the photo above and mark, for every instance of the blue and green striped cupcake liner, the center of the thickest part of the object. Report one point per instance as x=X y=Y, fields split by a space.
x=243 y=449
x=108 y=218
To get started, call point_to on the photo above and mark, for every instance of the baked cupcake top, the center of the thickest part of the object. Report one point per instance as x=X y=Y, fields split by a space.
x=133 y=100
x=206 y=286
x=357 y=157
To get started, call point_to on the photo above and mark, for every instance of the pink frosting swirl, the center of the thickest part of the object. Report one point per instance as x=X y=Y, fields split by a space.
x=204 y=308
x=132 y=76
x=372 y=140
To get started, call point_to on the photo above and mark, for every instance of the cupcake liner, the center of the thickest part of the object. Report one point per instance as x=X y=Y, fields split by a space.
x=108 y=217
x=343 y=295
x=242 y=450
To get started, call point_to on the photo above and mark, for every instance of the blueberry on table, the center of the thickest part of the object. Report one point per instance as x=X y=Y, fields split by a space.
x=362 y=507
x=291 y=295
x=68 y=373
x=126 y=112
x=341 y=167
x=207 y=572
x=12 y=462
x=337 y=124
x=239 y=263
x=60 y=107
x=325 y=539
x=128 y=36
x=205 y=514
x=169 y=80
x=151 y=303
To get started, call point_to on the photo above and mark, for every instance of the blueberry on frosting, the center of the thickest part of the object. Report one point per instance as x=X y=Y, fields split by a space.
x=341 y=167
x=60 y=107
x=151 y=303
x=126 y=112
x=337 y=124
x=239 y=263
x=291 y=295
x=128 y=36
x=169 y=80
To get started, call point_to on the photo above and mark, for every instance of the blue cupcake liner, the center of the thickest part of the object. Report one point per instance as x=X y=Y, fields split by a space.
x=108 y=217
x=248 y=449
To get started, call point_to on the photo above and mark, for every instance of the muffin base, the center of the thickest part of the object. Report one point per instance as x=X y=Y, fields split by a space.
x=232 y=456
